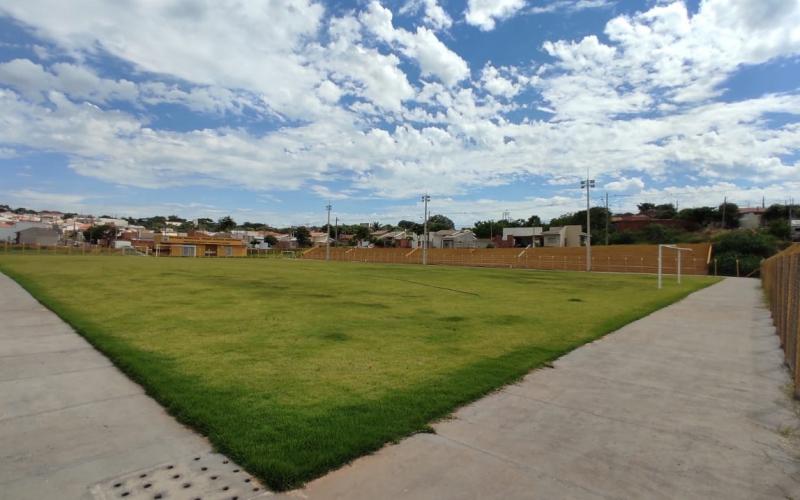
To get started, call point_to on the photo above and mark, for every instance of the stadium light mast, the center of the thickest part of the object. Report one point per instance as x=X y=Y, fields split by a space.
x=425 y=199
x=588 y=184
x=328 y=238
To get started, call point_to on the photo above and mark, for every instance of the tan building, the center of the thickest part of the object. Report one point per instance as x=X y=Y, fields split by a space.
x=197 y=245
x=563 y=236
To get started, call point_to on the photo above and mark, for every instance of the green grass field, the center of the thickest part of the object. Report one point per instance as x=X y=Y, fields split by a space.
x=295 y=367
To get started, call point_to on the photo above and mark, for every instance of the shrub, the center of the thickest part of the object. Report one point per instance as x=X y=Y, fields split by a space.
x=779 y=229
x=749 y=247
x=746 y=242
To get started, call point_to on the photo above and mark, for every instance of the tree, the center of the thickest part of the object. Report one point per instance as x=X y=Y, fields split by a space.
x=485 y=228
x=665 y=211
x=361 y=233
x=270 y=240
x=205 y=224
x=598 y=216
x=731 y=213
x=778 y=211
x=376 y=226
x=698 y=217
x=645 y=208
x=533 y=221
x=439 y=222
x=226 y=224
x=303 y=236
x=96 y=233
x=412 y=226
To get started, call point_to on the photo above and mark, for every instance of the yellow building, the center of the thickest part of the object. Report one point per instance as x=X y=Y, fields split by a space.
x=197 y=245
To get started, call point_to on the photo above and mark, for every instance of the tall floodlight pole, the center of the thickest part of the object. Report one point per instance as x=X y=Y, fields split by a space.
x=425 y=198
x=588 y=184
x=608 y=216
x=328 y=238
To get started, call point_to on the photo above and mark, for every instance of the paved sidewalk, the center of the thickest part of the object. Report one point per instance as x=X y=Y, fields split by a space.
x=68 y=418
x=690 y=402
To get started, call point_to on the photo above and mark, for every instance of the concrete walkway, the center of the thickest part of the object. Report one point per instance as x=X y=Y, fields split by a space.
x=69 y=419
x=690 y=402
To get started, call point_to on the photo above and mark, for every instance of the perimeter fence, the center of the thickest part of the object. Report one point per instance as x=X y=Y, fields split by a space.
x=780 y=277
x=612 y=258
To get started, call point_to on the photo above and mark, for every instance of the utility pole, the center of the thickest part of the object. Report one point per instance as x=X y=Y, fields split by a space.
x=608 y=216
x=588 y=184
x=425 y=198
x=336 y=234
x=328 y=238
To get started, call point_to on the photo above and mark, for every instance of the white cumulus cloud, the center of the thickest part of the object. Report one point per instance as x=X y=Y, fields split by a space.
x=485 y=13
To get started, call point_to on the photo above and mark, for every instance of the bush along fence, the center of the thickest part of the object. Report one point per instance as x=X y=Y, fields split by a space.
x=613 y=258
x=780 y=277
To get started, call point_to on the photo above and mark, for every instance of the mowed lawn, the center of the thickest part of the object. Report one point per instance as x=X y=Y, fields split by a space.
x=294 y=367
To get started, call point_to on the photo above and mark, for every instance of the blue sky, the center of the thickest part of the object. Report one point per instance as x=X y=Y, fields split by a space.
x=267 y=110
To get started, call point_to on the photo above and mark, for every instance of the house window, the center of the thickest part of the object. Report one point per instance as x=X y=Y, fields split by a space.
x=228 y=251
x=188 y=251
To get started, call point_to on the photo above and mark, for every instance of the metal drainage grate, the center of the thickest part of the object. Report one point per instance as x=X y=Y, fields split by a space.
x=202 y=477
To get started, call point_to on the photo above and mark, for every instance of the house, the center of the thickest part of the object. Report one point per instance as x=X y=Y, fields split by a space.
x=452 y=238
x=10 y=233
x=39 y=236
x=111 y=222
x=7 y=233
x=563 y=236
x=379 y=233
x=519 y=237
x=460 y=239
x=285 y=241
x=50 y=217
x=399 y=239
x=751 y=218
x=195 y=245
x=321 y=238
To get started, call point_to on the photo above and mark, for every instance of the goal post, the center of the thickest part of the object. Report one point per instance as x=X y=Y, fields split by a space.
x=680 y=251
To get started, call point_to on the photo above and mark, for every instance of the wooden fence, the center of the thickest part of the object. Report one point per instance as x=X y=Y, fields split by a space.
x=780 y=277
x=613 y=258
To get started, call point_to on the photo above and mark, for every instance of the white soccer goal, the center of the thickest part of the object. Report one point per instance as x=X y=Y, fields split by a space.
x=661 y=260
